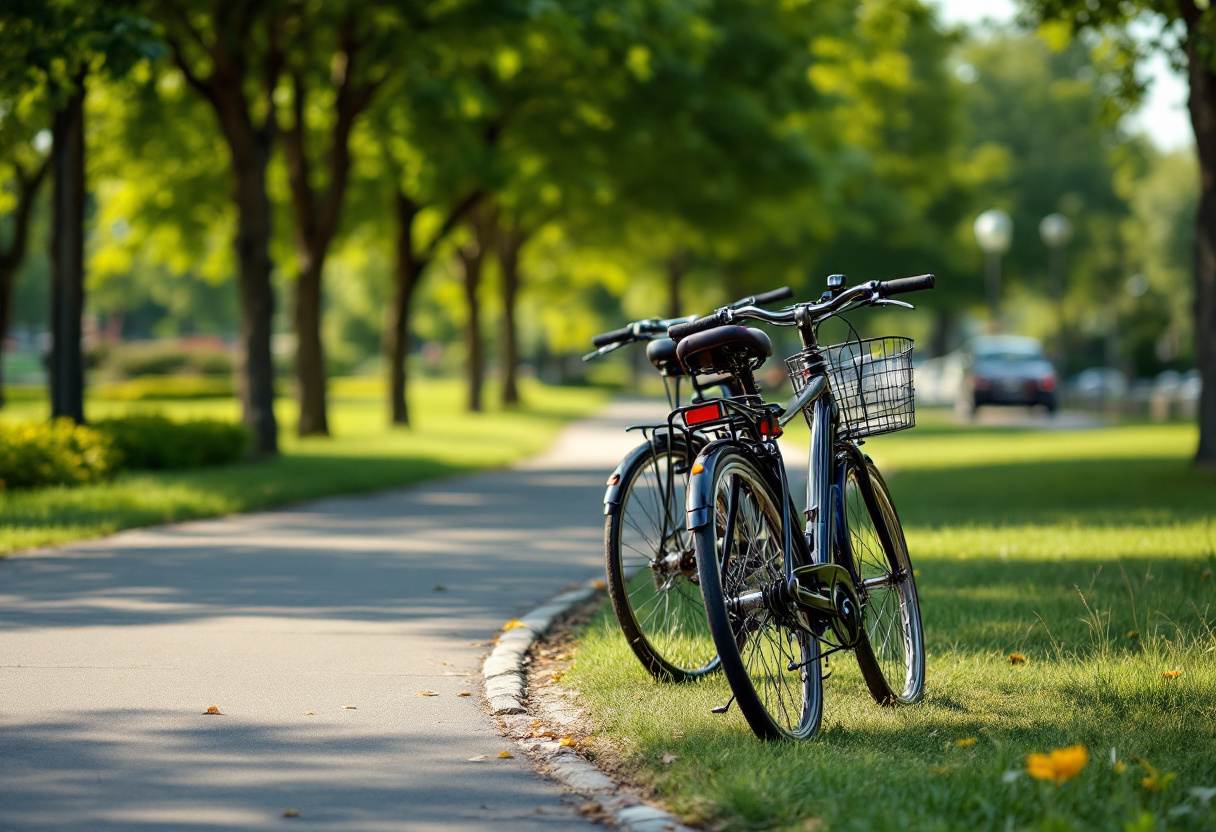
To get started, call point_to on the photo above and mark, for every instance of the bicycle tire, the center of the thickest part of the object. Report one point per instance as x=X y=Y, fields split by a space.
x=891 y=653
x=661 y=613
x=740 y=550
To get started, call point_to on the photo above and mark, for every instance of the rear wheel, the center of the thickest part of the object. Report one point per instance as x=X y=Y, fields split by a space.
x=652 y=578
x=772 y=666
x=891 y=653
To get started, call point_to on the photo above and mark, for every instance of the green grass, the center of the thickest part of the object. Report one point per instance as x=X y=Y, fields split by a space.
x=1055 y=545
x=364 y=454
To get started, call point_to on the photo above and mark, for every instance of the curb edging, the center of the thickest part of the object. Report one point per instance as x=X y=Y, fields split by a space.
x=506 y=686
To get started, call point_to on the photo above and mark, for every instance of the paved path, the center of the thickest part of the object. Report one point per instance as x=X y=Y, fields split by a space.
x=111 y=650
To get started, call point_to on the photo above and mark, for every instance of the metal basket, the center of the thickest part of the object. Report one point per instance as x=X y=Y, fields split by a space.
x=871 y=380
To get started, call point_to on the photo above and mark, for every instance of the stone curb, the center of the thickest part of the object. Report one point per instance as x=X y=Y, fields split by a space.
x=506 y=690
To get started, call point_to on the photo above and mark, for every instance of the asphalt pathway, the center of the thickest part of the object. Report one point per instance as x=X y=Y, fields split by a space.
x=111 y=651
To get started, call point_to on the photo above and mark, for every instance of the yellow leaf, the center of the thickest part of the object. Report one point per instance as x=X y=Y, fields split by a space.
x=512 y=624
x=465 y=693
x=1017 y=658
x=290 y=813
x=349 y=708
x=1172 y=674
x=966 y=743
x=566 y=741
x=598 y=584
x=505 y=755
x=309 y=713
x=427 y=693
x=1120 y=767
x=534 y=723
x=212 y=709
x=1133 y=634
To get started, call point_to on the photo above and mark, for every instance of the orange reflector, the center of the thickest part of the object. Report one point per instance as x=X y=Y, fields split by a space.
x=704 y=413
x=697 y=467
x=613 y=480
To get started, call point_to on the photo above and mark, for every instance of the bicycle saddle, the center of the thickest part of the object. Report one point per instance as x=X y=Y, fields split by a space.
x=720 y=349
x=662 y=354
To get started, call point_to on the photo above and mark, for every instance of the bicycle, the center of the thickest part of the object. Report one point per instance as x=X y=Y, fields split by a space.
x=778 y=603
x=648 y=553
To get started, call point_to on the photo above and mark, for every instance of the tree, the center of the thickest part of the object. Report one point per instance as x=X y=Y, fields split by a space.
x=232 y=55
x=1193 y=23
x=51 y=47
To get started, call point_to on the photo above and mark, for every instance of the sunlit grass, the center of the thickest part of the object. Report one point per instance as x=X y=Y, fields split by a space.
x=1090 y=553
x=363 y=454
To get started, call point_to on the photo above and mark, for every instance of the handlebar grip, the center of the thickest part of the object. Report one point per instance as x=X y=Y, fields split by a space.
x=784 y=293
x=680 y=331
x=606 y=338
x=900 y=285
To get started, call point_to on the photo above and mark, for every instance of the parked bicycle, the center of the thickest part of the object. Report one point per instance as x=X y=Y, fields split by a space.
x=651 y=574
x=778 y=603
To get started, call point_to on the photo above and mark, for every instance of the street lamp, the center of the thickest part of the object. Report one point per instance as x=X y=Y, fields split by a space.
x=1055 y=231
x=994 y=233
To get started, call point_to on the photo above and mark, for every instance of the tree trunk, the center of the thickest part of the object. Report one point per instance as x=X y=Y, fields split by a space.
x=471 y=257
x=28 y=184
x=510 y=241
x=256 y=367
x=406 y=272
x=310 y=351
x=677 y=264
x=67 y=257
x=1203 y=118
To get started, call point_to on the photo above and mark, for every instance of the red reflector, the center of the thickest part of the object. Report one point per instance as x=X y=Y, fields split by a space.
x=704 y=413
x=613 y=480
x=770 y=427
x=1047 y=384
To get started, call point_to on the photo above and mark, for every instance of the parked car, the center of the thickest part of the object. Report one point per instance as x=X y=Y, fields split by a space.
x=937 y=380
x=1006 y=370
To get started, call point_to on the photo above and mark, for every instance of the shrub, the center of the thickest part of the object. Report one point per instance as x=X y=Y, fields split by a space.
x=59 y=452
x=167 y=387
x=154 y=441
x=161 y=358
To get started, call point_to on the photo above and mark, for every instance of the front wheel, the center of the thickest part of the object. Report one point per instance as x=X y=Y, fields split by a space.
x=891 y=653
x=772 y=666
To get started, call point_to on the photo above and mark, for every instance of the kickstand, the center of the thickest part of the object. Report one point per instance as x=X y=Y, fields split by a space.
x=721 y=709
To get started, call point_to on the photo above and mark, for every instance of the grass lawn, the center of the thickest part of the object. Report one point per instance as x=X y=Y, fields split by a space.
x=1090 y=552
x=363 y=454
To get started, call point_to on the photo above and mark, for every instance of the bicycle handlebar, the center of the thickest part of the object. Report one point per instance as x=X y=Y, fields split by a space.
x=871 y=292
x=655 y=326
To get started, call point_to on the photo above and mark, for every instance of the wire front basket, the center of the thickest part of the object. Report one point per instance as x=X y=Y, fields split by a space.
x=872 y=381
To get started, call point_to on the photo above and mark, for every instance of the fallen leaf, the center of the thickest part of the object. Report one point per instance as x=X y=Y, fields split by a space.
x=544 y=735
x=1133 y=634
x=1172 y=674
x=557 y=675
x=446 y=664
x=440 y=588
x=478 y=758
x=290 y=813
x=589 y=808
x=212 y=709
x=505 y=755
x=598 y=584
x=670 y=758
x=534 y=723
x=566 y=741
x=309 y=713
x=637 y=696
x=561 y=657
x=966 y=743
x=1017 y=658
x=349 y=708
x=512 y=624
x=465 y=693
x=427 y=693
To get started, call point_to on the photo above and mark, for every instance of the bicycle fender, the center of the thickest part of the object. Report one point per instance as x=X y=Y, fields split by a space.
x=616 y=483
x=700 y=485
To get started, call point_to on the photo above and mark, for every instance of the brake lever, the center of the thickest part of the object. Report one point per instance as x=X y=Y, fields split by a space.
x=889 y=302
x=591 y=356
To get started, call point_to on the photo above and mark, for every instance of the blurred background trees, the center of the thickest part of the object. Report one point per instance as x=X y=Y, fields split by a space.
x=479 y=186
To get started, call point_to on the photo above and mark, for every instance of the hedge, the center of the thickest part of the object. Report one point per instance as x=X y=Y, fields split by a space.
x=58 y=452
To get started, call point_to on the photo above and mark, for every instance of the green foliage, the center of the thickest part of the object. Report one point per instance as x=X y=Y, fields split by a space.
x=58 y=452
x=153 y=358
x=154 y=441
x=170 y=388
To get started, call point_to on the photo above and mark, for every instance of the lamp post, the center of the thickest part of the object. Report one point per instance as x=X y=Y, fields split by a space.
x=994 y=233
x=1055 y=231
